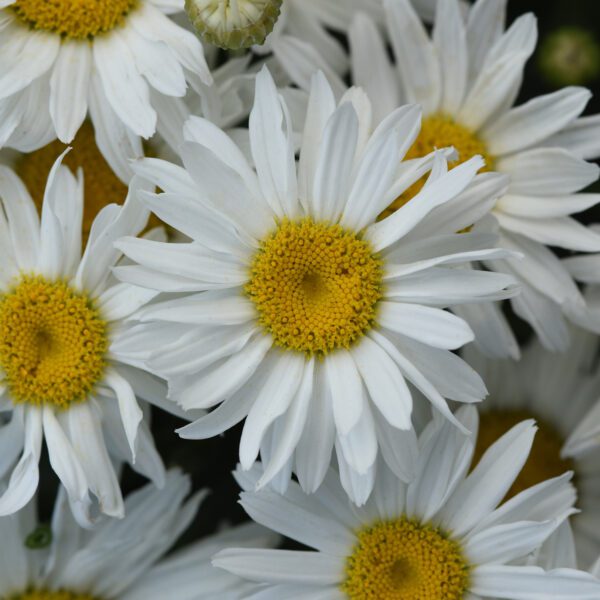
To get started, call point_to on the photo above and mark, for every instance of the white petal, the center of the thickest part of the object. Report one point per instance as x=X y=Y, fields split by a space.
x=272 y=402
x=421 y=75
x=310 y=568
x=533 y=583
x=450 y=40
x=535 y=121
x=431 y=326
x=131 y=413
x=551 y=171
x=272 y=148
x=384 y=381
x=125 y=88
x=346 y=390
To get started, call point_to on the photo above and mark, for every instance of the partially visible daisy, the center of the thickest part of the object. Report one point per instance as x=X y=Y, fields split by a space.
x=301 y=312
x=467 y=77
x=302 y=39
x=120 y=61
x=120 y=560
x=562 y=393
x=62 y=318
x=441 y=536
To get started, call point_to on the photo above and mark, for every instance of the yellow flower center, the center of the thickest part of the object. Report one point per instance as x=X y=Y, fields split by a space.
x=544 y=460
x=47 y=595
x=100 y=185
x=315 y=286
x=75 y=19
x=405 y=560
x=53 y=343
x=439 y=131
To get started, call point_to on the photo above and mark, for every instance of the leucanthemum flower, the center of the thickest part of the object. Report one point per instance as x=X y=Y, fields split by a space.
x=301 y=41
x=467 y=77
x=303 y=314
x=120 y=61
x=62 y=317
x=561 y=392
x=441 y=536
x=120 y=560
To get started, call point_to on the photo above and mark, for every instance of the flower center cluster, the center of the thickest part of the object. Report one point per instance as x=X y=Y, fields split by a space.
x=544 y=460
x=234 y=24
x=101 y=185
x=315 y=286
x=47 y=595
x=405 y=560
x=439 y=131
x=75 y=19
x=53 y=343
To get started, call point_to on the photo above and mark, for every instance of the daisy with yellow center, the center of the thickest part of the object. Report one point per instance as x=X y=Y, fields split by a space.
x=118 y=62
x=467 y=75
x=121 y=559
x=440 y=537
x=561 y=393
x=304 y=314
x=62 y=378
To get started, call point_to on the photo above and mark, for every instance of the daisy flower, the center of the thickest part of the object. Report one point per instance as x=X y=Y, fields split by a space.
x=540 y=386
x=120 y=560
x=467 y=77
x=302 y=39
x=303 y=313
x=62 y=318
x=441 y=536
x=120 y=61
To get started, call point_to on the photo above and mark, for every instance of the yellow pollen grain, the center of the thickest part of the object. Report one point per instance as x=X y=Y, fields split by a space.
x=100 y=185
x=544 y=460
x=48 y=595
x=53 y=343
x=405 y=560
x=440 y=131
x=74 y=19
x=315 y=286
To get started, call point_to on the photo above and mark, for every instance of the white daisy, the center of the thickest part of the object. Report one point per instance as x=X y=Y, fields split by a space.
x=120 y=560
x=467 y=77
x=120 y=60
x=441 y=536
x=62 y=318
x=311 y=316
x=561 y=392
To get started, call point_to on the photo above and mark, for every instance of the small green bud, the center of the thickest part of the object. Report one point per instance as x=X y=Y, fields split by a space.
x=39 y=538
x=233 y=24
x=569 y=56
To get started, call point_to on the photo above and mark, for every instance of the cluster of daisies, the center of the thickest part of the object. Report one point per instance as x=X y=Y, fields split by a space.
x=321 y=218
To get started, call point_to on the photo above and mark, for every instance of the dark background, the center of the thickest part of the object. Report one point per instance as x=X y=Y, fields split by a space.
x=210 y=462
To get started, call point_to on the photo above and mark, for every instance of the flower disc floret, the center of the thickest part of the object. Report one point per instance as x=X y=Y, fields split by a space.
x=315 y=286
x=544 y=461
x=440 y=131
x=405 y=560
x=48 y=595
x=75 y=19
x=53 y=343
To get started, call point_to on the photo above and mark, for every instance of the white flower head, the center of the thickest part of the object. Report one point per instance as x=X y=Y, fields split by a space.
x=120 y=559
x=303 y=313
x=443 y=535
x=62 y=318
x=561 y=393
x=467 y=76
x=120 y=61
